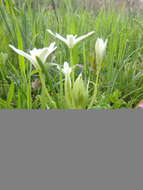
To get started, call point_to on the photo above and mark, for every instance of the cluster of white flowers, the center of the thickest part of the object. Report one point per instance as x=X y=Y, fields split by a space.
x=42 y=54
x=76 y=92
x=70 y=41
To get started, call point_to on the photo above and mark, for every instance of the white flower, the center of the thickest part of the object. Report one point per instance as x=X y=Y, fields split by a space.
x=70 y=40
x=67 y=69
x=42 y=54
x=100 y=49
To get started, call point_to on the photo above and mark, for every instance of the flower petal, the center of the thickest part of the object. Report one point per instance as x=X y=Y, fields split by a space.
x=61 y=38
x=52 y=33
x=83 y=37
x=71 y=40
x=100 y=49
x=52 y=47
x=58 y=36
x=67 y=69
x=26 y=55
x=47 y=51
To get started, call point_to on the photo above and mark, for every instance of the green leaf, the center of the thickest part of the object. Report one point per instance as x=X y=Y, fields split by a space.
x=3 y=105
x=10 y=94
x=29 y=98
x=19 y=105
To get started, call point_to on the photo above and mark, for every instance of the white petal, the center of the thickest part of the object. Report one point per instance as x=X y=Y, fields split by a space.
x=66 y=70
x=43 y=53
x=26 y=55
x=61 y=38
x=58 y=36
x=52 y=47
x=35 y=52
x=49 y=50
x=83 y=37
x=100 y=48
x=71 y=40
x=51 y=33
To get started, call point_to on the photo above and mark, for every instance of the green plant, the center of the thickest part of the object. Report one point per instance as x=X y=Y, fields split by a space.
x=114 y=83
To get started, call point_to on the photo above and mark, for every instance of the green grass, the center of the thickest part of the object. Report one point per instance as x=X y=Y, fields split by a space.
x=24 y=26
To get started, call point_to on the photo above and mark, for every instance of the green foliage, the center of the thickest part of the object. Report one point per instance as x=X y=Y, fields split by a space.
x=24 y=24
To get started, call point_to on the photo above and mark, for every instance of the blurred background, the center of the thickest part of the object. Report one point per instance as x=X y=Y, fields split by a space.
x=135 y=4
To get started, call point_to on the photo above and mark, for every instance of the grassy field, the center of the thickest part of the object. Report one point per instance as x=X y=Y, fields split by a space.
x=71 y=76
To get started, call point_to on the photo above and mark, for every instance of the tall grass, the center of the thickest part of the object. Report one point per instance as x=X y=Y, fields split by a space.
x=24 y=26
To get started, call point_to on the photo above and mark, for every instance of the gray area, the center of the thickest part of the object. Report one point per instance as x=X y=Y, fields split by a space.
x=137 y=4
x=71 y=150
x=97 y=3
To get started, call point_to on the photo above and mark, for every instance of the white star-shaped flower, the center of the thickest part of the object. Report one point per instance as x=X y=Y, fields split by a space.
x=70 y=40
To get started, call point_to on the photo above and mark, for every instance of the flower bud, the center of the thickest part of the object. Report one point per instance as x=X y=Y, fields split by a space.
x=68 y=89
x=100 y=50
x=80 y=93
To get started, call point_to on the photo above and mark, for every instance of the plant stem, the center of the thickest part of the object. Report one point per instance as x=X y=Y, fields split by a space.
x=45 y=90
x=61 y=85
x=68 y=92
x=94 y=99
x=72 y=64
x=84 y=62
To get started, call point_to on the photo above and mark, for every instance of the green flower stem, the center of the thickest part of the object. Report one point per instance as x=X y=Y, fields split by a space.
x=68 y=91
x=61 y=82
x=72 y=64
x=94 y=99
x=84 y=61
x=45 y=90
